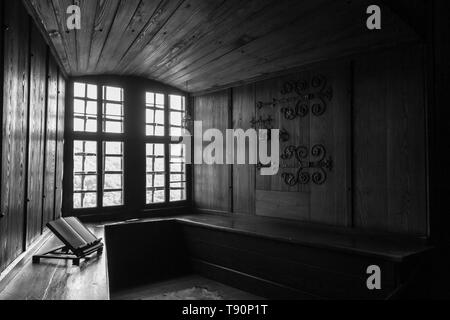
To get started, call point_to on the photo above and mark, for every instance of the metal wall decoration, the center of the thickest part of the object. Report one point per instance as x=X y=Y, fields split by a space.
x=311 y=96
x=315 y=171
x=262 y=123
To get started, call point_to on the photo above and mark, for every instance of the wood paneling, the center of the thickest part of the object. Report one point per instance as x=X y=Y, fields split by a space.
x=24 y=82
x=389 y=152
x=380 y=147
x=243 y=175
x=14 y=131
x=36 y=132
x=211 y=182
x=50 y=142
x=60 y=146
x=195 y=45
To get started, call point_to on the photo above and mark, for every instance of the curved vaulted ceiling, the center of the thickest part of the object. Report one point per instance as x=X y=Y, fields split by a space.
x=197 y=45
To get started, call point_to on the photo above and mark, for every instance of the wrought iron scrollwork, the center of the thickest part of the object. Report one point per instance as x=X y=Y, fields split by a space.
x=262 y=123
x=312 y=95
x=319 y=167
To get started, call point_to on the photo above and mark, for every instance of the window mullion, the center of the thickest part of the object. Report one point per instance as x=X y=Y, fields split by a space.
x=167 y=146
x=100 y=146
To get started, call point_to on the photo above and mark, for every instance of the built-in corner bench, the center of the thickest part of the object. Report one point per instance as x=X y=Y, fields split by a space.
x=270 y=258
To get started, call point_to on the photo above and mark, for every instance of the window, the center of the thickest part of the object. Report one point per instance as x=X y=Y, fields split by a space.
x=111 y=134
x=98 y=155
x=166 y=161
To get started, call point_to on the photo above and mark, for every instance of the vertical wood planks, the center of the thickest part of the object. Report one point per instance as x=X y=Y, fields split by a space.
x=211 y=182
x=390 y=162
x=14 y=131
x=60 y=146
x=36 y=134
x=24 y=128
x=50 y=149
x=244 y=175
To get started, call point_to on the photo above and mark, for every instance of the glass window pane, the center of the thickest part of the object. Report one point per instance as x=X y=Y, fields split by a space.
x=113 y=181
x=89 y=200
x=113 y=94
x=160 y=100
x=113 y=199
x=177 y=103
x=91 y=108
x=79 y=90
x=91 y=125
x=92 y=91
x=114 y=148
x=79 y=106
x=113 y=127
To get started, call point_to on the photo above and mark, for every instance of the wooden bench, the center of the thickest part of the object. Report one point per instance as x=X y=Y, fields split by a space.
x=268 y=257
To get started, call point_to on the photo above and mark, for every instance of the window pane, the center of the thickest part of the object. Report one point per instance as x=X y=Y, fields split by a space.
x=155 y=173
x=177 y=172
x=85 y=174
x=113 y=113
x=114 y=164
x=177 y=115
x=79 y=106
x=92 y=91
x=85 y=111
x=79 y=90
x=114 y=148
x=113 y=199
x=113 y=185
x=155 y=116
x=113 y=94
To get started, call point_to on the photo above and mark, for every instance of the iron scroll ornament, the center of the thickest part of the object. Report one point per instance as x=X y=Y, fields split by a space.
x=319 y=167
x=311 y=96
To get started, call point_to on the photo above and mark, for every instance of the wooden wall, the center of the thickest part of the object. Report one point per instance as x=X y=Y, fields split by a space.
x=29 y=115
x=213 y=183
x=373 y=129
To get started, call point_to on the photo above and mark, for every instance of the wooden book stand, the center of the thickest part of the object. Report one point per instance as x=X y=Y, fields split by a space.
x=79 y=242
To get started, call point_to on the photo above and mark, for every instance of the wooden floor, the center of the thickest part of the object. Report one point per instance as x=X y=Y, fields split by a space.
x=187 y=288
x=57 y=280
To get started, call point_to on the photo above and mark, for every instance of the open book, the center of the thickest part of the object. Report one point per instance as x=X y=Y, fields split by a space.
x=73 y=233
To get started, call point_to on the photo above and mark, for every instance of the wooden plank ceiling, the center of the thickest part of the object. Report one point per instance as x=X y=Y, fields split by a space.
x=197 y=45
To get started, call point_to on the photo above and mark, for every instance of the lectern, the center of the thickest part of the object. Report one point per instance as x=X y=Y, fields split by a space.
x=79 y=242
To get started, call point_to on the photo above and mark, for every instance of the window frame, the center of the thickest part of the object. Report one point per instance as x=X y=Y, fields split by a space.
x=134 y=158
x=99 y=137
x=167 y=141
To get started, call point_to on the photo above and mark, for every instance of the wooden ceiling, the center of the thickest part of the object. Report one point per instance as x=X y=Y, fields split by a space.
x=197 y=45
